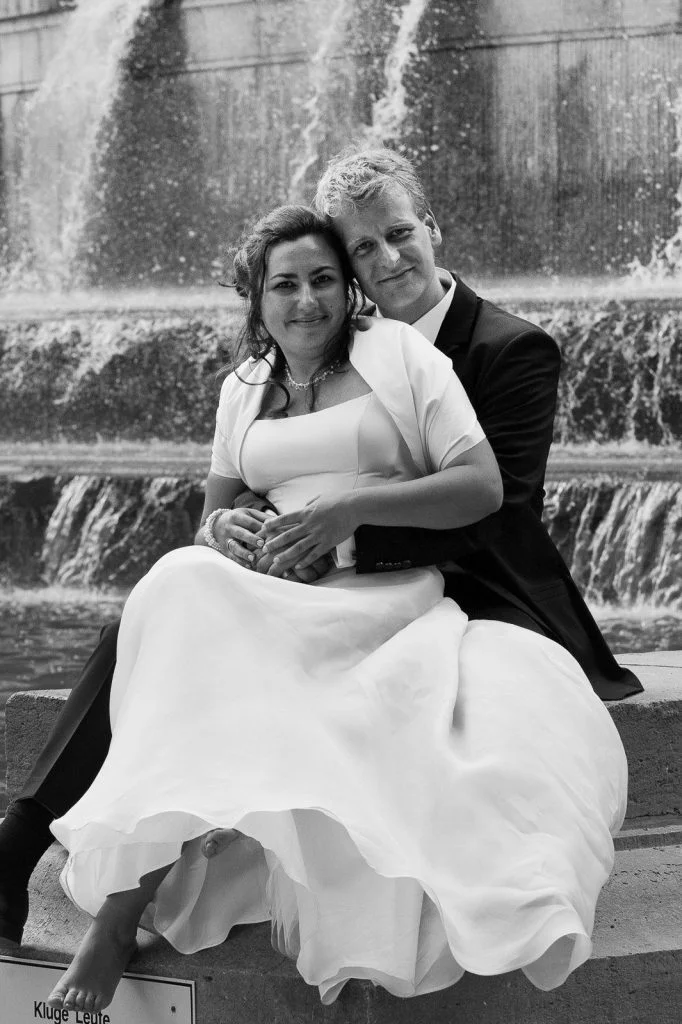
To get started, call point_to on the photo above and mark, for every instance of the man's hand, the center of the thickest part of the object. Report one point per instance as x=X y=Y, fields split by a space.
x=298 y=539
x=306 y=574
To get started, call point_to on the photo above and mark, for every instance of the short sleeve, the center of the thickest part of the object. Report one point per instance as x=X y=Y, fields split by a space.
x=222 y=462
x=453 y=427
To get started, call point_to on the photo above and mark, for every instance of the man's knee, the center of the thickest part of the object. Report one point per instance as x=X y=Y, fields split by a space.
x=109 y=633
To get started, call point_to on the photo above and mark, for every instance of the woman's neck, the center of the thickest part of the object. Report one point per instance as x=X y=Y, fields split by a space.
x=303 y=369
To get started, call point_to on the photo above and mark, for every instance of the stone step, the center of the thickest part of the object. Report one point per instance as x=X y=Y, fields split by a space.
x=650 y=725
x=633 y=977
x=661 y=830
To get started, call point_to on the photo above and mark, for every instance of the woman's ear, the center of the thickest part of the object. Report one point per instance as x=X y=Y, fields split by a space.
x=431 y=226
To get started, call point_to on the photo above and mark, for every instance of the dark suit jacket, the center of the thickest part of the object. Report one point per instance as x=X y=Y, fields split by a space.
x=507 y=567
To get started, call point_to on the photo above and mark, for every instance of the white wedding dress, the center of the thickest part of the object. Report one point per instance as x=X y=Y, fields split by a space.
x=418 y=796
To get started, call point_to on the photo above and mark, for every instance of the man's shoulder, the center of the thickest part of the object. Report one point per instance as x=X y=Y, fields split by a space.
x=498 y=327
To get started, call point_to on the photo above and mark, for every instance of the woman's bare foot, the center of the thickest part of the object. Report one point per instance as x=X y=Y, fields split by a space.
x=90 y=982
x=217 y=840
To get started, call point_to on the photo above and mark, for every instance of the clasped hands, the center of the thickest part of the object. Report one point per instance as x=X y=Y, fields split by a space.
x=295 y=545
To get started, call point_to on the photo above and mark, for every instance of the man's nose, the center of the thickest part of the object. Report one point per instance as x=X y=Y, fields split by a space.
x=389 y=254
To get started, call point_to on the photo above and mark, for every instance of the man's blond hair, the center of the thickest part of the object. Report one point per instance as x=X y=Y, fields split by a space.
x=358 y=176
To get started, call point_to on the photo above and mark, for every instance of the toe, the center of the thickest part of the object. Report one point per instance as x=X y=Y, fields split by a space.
x=89 y=1003
x=57 y=997
x=71 y=999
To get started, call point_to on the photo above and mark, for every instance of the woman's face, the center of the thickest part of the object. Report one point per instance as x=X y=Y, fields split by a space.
x=304 y=297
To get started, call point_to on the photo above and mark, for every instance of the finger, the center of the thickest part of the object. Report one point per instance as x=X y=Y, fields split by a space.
x=279 y=523
x=301 y=575
x=238 y=553
x=312 y=560
x=244 y=537
x=253 y=518
x=283 y=541
x=294 y=554
x=323 y=565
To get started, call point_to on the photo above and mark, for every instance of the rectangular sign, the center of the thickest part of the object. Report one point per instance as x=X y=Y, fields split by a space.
x=139 y=999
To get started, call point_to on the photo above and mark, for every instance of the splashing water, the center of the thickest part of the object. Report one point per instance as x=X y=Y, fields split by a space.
x=666 y=259
x=63 y=123
x=390 y=110
x=315 y=106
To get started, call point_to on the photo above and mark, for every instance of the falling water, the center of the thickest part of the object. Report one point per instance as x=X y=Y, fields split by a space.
x=390 y=110
x=622 y=541
x=63 y=135
x=666 y=259
x=315 y=107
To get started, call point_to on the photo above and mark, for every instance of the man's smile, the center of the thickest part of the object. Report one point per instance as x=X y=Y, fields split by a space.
x=395 y=277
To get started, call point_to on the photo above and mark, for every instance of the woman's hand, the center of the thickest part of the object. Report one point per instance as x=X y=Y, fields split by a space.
x=302 y=574
x=298 y=539
x=237 y=533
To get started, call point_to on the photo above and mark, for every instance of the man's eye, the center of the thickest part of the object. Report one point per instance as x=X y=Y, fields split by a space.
x=362 y=247
x=400 y=232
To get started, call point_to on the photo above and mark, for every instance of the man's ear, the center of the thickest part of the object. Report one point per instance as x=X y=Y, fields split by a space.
x=431 y=226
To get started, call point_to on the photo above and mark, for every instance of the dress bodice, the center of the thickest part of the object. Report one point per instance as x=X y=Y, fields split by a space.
x=350 y=445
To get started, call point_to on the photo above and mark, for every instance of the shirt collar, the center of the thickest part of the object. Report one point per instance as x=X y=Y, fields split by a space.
x=431 y=322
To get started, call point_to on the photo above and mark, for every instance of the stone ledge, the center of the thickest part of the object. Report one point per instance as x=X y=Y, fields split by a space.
x=650 y=725
x=634 y=975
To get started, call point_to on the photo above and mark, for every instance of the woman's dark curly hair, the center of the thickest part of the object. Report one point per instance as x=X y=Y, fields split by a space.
x=249 y=262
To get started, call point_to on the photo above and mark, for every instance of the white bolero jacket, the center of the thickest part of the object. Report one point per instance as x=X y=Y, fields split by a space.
x=412 y=379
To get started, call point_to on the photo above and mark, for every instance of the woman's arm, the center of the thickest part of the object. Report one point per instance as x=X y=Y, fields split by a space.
x=515 y=396
x=236 y=529
x=468 y=488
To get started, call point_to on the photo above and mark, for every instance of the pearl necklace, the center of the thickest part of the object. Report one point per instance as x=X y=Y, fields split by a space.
x=318 y=376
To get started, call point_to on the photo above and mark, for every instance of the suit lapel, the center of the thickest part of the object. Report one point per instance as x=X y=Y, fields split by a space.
x=455 y=333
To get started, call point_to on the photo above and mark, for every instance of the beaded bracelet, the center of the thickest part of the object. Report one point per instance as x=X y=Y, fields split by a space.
x=209 y=536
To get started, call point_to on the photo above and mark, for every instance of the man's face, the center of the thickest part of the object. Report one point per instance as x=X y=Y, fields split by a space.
x=392 y=252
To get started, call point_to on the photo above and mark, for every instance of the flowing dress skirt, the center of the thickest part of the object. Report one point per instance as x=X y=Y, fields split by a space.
x=417 y=796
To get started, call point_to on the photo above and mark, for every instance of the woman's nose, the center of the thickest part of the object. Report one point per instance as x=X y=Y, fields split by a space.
x=307 y=298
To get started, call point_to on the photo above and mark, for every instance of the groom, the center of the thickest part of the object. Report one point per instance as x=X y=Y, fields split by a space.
x=505 y=568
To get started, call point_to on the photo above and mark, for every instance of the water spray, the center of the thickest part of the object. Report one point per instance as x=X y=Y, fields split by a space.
x=64 y=124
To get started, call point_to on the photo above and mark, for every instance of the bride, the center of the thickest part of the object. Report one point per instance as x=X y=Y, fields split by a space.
x=308 y=754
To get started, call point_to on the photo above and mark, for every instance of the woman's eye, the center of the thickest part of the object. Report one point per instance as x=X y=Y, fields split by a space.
x=283 y=285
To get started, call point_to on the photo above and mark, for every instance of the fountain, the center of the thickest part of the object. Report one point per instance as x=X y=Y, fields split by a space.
x=64 y=126
x=141 y=162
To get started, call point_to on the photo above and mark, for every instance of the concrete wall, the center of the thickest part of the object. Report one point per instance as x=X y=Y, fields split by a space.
x=545 y=128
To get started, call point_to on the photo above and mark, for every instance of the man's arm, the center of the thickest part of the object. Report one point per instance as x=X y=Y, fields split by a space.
x=515 y=401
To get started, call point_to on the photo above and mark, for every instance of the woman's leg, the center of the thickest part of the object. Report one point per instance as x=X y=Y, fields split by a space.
x=90 y=982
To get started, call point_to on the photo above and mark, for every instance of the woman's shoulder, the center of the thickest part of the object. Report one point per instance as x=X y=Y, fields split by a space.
x=250 y=371
x=406 y=339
